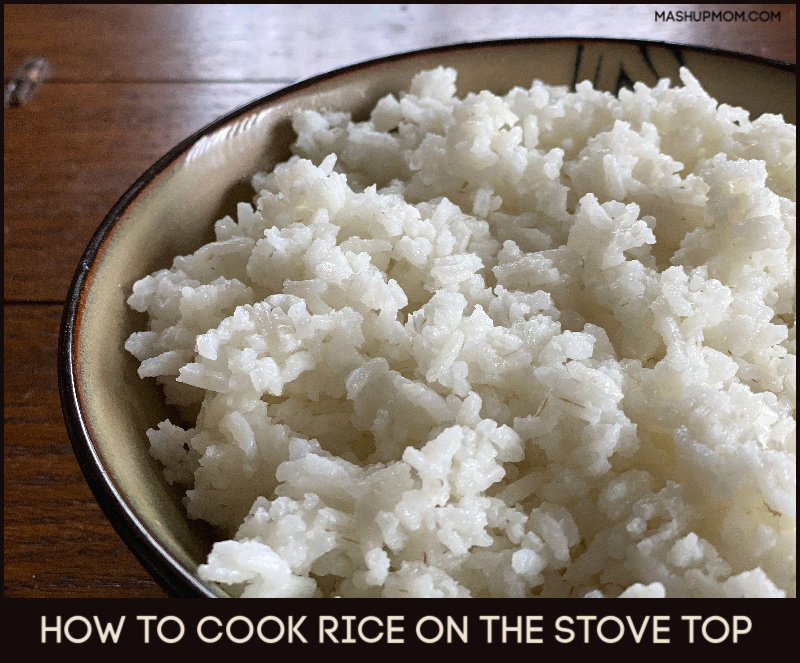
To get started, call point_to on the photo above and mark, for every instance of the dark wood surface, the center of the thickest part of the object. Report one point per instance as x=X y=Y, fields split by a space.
x=128 y=83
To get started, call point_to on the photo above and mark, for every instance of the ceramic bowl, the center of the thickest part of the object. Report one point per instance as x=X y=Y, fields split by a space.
x=171 y=208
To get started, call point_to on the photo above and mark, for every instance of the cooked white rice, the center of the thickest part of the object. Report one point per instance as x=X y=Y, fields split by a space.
x=540 y=344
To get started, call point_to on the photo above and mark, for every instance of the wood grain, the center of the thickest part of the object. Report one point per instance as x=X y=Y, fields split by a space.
x=128 y=83
x=286 y=42
x=54 y=530
x=74 y=152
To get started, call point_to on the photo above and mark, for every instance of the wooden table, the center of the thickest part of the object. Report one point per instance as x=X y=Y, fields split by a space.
x=128 y=83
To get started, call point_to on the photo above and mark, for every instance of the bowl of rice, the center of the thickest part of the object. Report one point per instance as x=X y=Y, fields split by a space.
x=509 y=319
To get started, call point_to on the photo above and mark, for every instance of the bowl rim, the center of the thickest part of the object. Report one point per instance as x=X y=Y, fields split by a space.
x=157 y=559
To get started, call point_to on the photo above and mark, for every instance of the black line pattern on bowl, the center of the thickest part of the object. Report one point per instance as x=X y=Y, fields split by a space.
x=597 y=71
x=648 y=61
x=623 y=80
x=578 y=58
x=627 y=73
x=676 y=51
